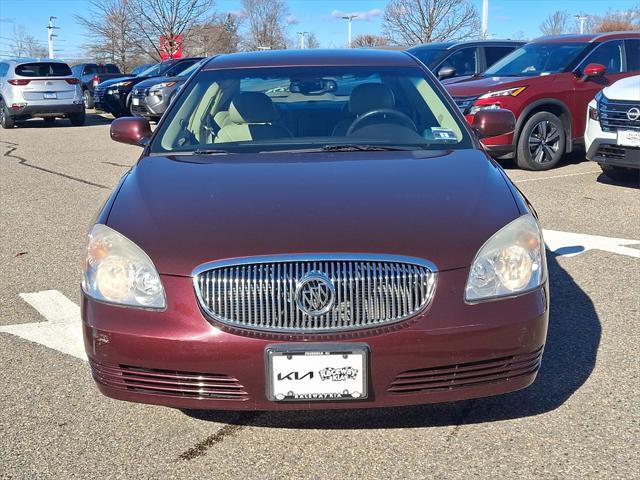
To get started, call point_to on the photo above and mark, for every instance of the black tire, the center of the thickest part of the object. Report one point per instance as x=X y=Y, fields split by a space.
x=88 y=99
x=542 y=142
x=6 y=120
x=77 y=119
x=621 y=174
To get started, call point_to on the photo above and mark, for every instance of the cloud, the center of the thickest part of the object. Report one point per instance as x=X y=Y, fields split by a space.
x=366 y=16
x=291 y=20
x=237 y=13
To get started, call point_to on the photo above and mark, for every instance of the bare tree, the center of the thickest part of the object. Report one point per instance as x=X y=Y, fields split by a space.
x=613 y=21
x=112 y=34
x=219 y=35
x=408 y=22
x=369 y=40
x=556 y=23
x=169 y=19
x=312 y=41
x=267 y=24
x=26 y=45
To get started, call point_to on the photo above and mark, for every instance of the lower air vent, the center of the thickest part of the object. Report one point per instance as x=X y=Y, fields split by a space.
x=169 y=382
x=451 y=377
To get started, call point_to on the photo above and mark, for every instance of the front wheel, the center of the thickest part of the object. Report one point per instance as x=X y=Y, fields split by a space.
x=77 y=119
x=542 y=142
x=621 y=174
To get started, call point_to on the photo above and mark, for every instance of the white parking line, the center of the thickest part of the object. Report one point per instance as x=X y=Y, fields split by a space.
x=557 y=176
x=570 y=244
x=62 y=331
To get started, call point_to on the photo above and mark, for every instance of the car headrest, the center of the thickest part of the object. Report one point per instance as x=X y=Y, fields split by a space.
x=251 y=107
x=370 y=96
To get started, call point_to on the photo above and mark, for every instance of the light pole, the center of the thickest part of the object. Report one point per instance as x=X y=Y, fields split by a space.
x=581 y=19
x=302 y=35
x=50 y=35
x=485 y=18
x=349 y=18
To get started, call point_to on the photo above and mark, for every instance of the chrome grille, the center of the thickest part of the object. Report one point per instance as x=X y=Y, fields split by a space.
x=613 y=115
x=464 y=103
x=262 y=293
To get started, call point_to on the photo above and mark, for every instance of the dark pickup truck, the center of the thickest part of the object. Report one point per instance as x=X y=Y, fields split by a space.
x=91 y=74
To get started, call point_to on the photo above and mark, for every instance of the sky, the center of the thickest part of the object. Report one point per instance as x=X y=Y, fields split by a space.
x=507 y=18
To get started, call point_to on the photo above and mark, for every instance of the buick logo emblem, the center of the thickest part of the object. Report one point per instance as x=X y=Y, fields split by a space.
x=315 y=294
x=633 y=114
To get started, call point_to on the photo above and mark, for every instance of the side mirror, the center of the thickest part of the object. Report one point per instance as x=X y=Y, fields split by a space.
x=131 y=130
x=493 y=122
x=446 y=72
x=593 y=70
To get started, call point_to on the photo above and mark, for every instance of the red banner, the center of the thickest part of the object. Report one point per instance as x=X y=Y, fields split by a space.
x=170 y=47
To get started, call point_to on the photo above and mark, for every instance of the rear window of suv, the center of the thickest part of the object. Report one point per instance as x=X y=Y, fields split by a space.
x=43 y=69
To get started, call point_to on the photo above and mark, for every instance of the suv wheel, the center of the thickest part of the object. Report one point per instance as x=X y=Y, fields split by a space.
x=621 y=174
x=88 y=99
x=542 y=142
x=77 y=119
x=6 y=121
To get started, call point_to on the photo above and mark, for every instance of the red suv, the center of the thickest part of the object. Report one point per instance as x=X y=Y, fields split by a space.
x=547 y=84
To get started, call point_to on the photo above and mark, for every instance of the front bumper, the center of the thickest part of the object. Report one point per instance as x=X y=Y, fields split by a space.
x=602 y=147
x=451 y=351
x=113 y=103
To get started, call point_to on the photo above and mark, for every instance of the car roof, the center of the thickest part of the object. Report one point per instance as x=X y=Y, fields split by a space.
x=310 y=57
x=586 y=38
x=32 y=60
x=461 y=43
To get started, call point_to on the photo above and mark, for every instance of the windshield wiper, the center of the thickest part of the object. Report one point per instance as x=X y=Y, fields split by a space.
x=209 y=151
x=349 y=147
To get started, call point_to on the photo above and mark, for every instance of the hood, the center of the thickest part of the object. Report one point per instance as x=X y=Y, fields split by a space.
x=472 y=86
x=185 y=211
x=625 y=89
x=113 y=81
x=452 y=80
x=155 y=80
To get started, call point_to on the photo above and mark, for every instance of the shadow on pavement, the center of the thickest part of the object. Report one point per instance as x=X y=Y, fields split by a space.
x=569 y=358
x=92 y=119
x=573 y=158
x=602 y=178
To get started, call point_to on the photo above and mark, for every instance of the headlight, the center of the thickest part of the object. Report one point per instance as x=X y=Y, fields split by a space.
x=117 y=271
x=511 y=262
x=163 y=85
x=121 y=84
x=509 y=92
x=476 y=108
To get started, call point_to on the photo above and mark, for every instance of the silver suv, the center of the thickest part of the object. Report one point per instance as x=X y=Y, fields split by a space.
x=39 y=88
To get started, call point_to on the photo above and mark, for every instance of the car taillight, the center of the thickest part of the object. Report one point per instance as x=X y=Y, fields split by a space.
x=18 y=81
x=95 y=80
x=72 y=81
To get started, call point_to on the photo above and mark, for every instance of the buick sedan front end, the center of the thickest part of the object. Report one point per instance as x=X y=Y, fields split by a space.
x=314 y=230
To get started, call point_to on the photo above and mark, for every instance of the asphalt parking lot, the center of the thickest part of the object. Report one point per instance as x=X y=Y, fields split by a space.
x=580 y=419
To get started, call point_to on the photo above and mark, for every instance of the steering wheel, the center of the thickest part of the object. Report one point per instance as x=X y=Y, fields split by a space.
x=398 y=116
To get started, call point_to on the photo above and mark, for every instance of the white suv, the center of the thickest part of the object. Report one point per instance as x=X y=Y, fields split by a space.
x=39 y=88
x=612 y=136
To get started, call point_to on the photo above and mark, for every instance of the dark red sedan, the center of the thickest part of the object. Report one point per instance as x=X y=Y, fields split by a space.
x=313 y=230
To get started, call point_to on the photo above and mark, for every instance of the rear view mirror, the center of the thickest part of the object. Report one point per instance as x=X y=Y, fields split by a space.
x=494 y=122
x=446 y=72
x=593 y=70
x=313 y=86
x=131 y=130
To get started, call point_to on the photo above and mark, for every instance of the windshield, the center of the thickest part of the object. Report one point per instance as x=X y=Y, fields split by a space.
x=536 y=59
x=428 y=56
x=285 y=108
x=192 y=68
x=154 y=70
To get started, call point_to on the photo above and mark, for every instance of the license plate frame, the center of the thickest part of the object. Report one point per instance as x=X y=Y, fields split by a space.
x=327 y=357
x=50 y=96
x=628 y=138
